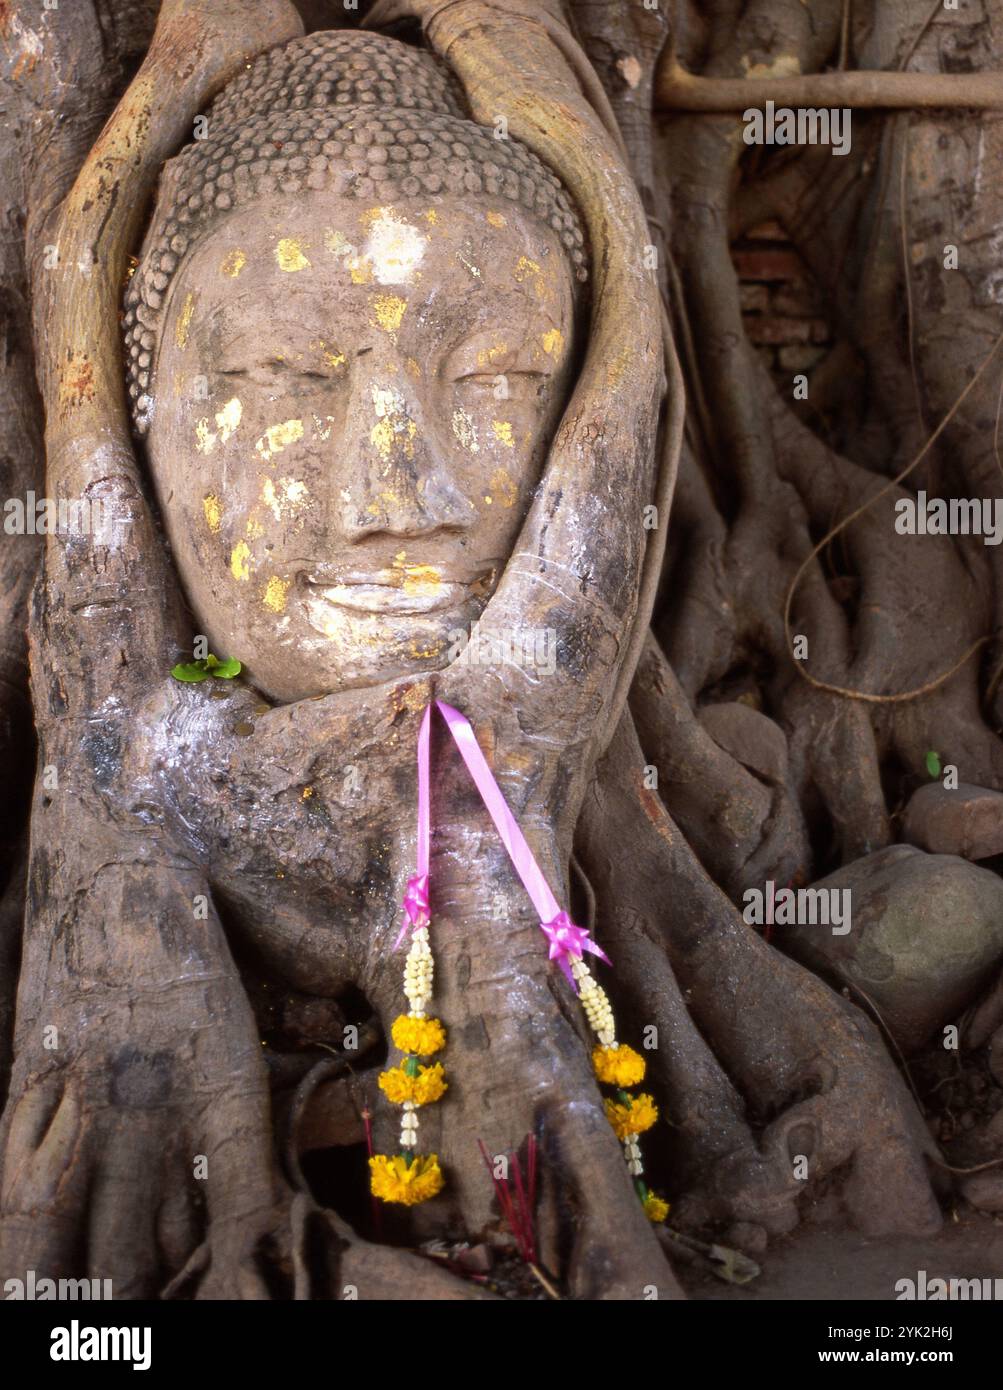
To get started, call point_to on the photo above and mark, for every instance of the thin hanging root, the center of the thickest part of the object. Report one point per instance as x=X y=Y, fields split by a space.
x=679 y=90
x=842 y=525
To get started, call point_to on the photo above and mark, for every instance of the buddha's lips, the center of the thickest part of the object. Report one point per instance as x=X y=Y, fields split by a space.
x=374 y=597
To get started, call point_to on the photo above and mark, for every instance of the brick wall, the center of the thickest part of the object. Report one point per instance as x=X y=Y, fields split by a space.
x=781 y=307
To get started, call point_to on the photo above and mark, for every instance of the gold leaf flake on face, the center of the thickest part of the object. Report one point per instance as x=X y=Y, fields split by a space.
x=432 y=217
x=393 y=424
x=228 y=418
x=184 y=322
x=240 y=561
x=503 y=432
x=488 y=355
x=424 y=580
x=389 y=310
x=254 y=528
x=424 y=653
x=285 y=496
x=233 y=263
x=205 y=440
x=290 y=255
x=279 y=437
x=275 y=594
x=497 y=219
x=413 y=368
x=327 y=356
x=465 y=431
x=213 y=509
x=525 y=267
x=553 y=342
x=394 y=248
x=506 y=490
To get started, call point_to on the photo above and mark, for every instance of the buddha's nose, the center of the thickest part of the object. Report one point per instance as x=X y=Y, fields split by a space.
x=392 y=478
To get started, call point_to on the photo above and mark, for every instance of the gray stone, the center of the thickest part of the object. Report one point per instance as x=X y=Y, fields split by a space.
x=966 y=821
x=926 y=937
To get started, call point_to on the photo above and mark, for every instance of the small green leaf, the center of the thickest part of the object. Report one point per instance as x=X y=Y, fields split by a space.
x=933 y=763
x=189 y=671
x=410 y=1066
x=226 y=670
x=207 y=666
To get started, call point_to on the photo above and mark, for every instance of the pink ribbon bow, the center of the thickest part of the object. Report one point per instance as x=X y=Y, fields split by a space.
x=416 y=910
x=566 y=939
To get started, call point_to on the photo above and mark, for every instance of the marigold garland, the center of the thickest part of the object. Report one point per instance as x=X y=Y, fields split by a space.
x=420 y=1035
x=654 y=1208
x=408 y=1177
x=405 y=1179
x=427 y=1086
x=632 y=1116
x=618 y=1066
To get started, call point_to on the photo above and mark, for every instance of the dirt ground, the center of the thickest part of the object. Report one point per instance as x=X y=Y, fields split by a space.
x=827 y=1263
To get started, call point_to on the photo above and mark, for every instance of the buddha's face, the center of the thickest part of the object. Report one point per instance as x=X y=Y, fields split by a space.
x=352 y=407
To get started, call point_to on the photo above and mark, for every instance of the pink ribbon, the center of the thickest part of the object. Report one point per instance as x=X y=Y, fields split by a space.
x=416 y=905
x=566 y=939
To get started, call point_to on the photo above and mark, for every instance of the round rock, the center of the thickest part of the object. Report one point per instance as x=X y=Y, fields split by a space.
x=967 y=820
x=925 y=938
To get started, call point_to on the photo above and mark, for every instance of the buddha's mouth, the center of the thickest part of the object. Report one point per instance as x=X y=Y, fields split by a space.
x=399 y=590
x=388 y=598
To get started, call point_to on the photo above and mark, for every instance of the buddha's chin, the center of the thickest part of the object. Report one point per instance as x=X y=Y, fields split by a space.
x=335 y=649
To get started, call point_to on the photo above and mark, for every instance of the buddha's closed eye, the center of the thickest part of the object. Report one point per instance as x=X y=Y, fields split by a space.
x=266 y=373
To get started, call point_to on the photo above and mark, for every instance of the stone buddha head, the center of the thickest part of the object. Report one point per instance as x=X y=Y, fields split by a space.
x=350 y=337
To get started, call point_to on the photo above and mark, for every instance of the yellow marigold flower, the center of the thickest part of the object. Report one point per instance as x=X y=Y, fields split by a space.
x=635 y=1118
x=430 y=1084
x=654 y=1208
x=393 y=1180
x=427 y=1086
x=618 y=1066
x=421 y=1035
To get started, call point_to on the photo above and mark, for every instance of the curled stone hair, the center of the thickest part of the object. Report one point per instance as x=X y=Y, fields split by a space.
x=356 y=114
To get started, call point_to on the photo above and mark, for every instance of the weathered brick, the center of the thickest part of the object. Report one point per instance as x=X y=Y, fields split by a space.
x=767 y=263
x=795 y=357
x=795 y=300
x=767 y=231
x=777 y=330
x=754 y=298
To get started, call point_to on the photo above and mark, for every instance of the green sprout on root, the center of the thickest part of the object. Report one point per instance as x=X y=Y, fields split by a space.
x=933 y=763
x=205 y=667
